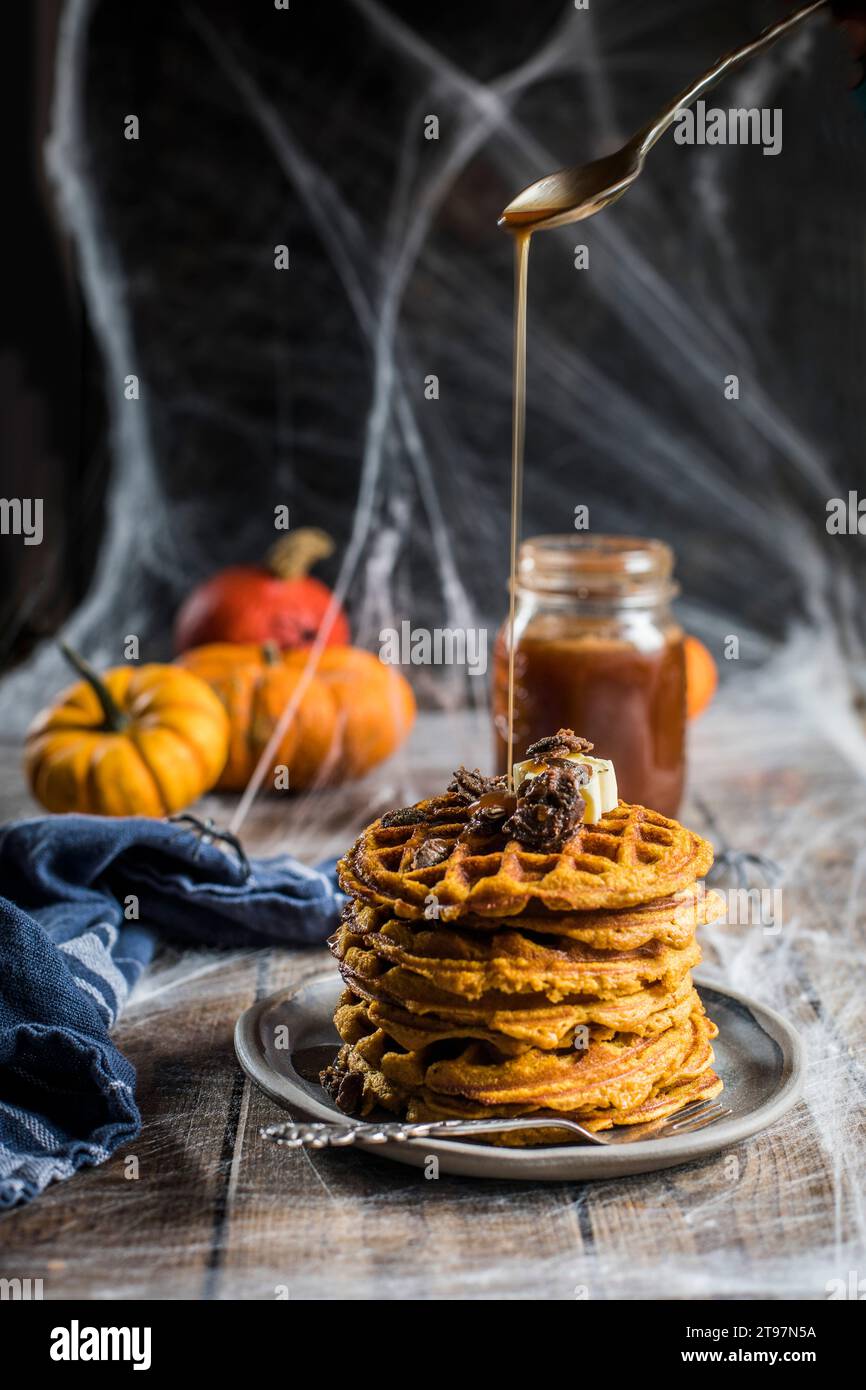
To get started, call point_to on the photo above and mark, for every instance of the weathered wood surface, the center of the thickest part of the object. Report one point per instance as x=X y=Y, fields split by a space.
x=217 y=1214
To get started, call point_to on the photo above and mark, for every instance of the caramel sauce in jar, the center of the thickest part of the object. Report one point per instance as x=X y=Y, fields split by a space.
x=597 y=650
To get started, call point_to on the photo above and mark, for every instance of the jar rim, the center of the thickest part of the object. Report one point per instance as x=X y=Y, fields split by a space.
x=598 y=566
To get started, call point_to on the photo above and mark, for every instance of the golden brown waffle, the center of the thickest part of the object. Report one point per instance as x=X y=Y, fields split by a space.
x=508 y=962
x=673 y=921
x=614 y=1080
x=512 y=1024
x=632 y=855
x=662 y=1102
x=485 y=978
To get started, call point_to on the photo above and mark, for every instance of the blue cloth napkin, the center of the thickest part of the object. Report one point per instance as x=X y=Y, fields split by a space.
x=83 y=901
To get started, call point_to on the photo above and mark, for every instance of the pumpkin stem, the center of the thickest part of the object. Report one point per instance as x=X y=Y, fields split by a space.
x=271 y=653
x=293 y=555
x=115 y=719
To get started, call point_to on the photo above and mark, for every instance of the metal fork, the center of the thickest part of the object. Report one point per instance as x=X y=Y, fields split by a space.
x=316 y=1134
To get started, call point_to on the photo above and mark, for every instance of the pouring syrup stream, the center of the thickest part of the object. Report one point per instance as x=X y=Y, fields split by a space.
x=571 y=195
x=518 y=437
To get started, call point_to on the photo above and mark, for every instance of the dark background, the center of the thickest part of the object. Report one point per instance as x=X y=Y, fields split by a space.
x=261 y=127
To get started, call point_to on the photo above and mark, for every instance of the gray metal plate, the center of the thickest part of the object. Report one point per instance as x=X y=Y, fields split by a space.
x=758 y=1055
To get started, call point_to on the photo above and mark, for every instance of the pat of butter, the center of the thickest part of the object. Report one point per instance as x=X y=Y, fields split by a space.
x=600 y=793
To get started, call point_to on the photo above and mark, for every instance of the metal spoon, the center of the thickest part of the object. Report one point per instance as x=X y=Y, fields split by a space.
x=573 y=194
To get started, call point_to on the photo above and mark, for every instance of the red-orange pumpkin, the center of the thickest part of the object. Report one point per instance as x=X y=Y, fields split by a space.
x=279 y=602
x=352 y=713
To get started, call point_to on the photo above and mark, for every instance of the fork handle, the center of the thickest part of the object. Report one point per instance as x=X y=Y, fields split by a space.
x=720 y=69
x=320 y=1135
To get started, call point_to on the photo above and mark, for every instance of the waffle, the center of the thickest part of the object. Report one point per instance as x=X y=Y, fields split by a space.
x=511 y=1025
x=509 y=962
x=618 y=1078
x=663 y=1101
x=631 y=856
x=673 y=921
x=487 y=978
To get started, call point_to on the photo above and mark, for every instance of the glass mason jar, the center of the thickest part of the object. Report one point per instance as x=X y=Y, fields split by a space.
x=597 y=650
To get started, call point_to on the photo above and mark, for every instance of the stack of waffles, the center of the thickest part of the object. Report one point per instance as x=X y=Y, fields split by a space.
x=488 y=978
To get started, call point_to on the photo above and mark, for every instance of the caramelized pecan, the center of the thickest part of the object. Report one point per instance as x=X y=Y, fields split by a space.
x=549 y=807
x=346 y=1088
x=472 y=785
x=558 y=745
x=406 y=815
x=430 y=853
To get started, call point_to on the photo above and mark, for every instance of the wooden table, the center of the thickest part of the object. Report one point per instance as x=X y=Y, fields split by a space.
x=214 y=1213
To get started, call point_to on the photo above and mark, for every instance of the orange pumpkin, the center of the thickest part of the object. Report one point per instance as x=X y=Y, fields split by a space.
x=352 y=712
x=702 y=677
x=279 y=602
x=138 y=741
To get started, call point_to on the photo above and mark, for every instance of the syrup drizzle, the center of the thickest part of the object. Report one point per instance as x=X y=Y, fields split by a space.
x=518 y=437
x=504 y=801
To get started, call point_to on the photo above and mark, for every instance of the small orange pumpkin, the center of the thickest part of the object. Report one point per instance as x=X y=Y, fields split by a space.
x=353 y=711
x=702 y=677
x=138 y=741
